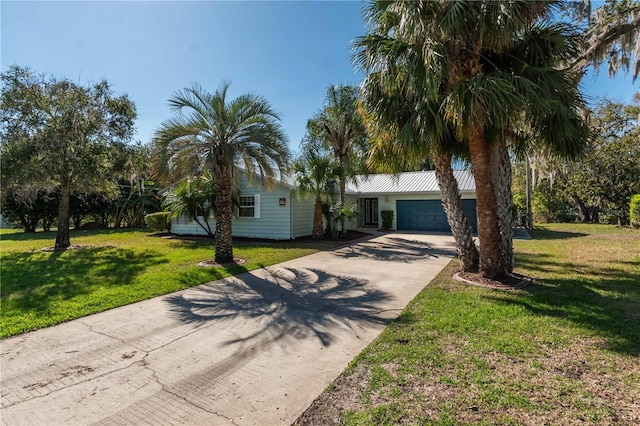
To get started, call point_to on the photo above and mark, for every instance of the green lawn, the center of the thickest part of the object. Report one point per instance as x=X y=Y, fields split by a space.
x=564 y=350
x=113 y=268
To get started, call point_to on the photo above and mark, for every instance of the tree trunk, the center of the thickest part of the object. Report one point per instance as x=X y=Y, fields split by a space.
x=343 y=218
x=318 y=231
x=77 y=221
x=595 y=213
x=224 y=215
x=62 y=235
x=462 y=232
x=501 y=177
x=326 y=212
x=29 y=225
x=529 y=224
x=585 y=214
x=491 y=260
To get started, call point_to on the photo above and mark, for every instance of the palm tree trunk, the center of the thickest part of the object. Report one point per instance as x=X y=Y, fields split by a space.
x=318 y=231
x=501 y=174
x=62 y=235
x=343 y=218
x=462 y=232
x=491 y=260
x=224 y=215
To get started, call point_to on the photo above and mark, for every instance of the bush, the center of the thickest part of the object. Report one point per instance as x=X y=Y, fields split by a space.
x=158 y=222
x=387 y=218
x=550 y=205
x=634 y=210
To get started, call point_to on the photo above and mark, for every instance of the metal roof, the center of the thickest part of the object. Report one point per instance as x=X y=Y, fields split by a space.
x=407 y=183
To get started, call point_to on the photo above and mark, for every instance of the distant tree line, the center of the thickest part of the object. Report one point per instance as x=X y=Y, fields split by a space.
x=37 y=207
x=598 y=185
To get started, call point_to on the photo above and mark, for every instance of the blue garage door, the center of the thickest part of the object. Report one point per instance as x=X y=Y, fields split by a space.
x=429 y=215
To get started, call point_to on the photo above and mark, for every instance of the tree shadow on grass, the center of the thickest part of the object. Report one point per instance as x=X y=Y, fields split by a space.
x=197 y=243
x=73 y=233
x=29 y=236
x=601 y=299
x=32 y=279
x=546 y=234
x=396 y=249
x=287 y=303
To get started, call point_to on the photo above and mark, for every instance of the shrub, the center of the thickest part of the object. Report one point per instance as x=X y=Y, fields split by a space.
x=634 y=210
x=387 y=218
x=550 y=205
x=158 y=222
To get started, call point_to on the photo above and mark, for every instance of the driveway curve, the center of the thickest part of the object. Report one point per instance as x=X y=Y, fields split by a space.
x=254 y=349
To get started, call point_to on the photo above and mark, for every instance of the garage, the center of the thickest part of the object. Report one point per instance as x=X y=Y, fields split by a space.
x=429 y=215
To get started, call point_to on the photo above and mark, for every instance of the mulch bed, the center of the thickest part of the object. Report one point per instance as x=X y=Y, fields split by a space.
x=511 y=281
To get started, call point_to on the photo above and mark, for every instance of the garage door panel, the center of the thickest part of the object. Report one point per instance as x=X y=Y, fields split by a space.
x=429 y=215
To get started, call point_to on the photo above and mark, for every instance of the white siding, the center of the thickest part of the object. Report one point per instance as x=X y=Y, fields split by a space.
x=302 y=216
x=274 y=221
x=295 y=218
x=183 y=226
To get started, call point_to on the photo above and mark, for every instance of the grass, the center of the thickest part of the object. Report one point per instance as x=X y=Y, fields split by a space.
x=113 y=268
x=563 y=350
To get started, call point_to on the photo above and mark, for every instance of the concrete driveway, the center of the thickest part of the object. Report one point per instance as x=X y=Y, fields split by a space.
x=255 y=349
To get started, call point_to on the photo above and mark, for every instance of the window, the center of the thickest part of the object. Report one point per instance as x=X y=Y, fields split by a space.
x=249 y=206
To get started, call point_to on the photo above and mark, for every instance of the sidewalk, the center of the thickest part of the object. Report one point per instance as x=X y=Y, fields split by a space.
x=255 y=349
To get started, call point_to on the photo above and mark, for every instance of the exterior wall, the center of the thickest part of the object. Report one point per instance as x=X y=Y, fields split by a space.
x=388 y=202
x=183 y=226
x=274 y=221
x=302 y=216
x=295 y=218
x=357 y=221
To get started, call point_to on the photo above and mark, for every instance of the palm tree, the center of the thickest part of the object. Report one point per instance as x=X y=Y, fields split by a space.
x=317 y=175
x=214 y=134
x=193 y=197
x=339 y=128
x=448 y=53
x=400 y=137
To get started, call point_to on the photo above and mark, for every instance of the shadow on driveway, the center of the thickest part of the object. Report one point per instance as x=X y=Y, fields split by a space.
x=288 y=302
x=396 y=249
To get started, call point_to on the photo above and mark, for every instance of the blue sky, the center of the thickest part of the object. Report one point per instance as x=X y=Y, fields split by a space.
x=286 y=51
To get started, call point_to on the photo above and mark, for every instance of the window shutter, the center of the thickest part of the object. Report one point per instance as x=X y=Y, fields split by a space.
x=256 y=204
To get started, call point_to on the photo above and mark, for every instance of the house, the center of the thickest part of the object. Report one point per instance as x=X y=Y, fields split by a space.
x=276 y=214
x=279 y=214
x=413 y=197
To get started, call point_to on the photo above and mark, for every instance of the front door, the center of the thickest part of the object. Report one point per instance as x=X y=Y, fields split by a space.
x=370 y=212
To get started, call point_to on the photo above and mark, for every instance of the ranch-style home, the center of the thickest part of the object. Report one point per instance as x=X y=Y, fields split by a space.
x=279 y=214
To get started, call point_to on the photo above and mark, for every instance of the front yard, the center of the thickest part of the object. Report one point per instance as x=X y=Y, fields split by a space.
x=564 y=350
x=113 y=268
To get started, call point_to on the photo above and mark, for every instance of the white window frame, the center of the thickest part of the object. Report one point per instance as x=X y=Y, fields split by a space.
x=256 y=206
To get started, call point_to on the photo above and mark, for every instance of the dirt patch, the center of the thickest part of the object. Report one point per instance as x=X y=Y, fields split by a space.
x=511 y=281
x=71 y=247
x=213 y=264
x=562 y=386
